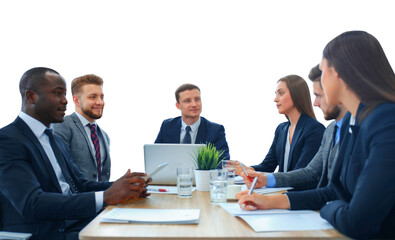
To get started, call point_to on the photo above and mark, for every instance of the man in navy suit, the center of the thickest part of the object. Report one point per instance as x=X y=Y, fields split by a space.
x=190 y=127
x=42 y=191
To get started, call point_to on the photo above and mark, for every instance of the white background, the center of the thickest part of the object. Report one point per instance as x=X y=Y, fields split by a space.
x=235 y=51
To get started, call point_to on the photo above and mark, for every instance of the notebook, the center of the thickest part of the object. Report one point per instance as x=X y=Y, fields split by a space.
x=177 y=155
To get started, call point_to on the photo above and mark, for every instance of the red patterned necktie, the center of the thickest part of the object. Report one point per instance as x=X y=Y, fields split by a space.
x=96 y=144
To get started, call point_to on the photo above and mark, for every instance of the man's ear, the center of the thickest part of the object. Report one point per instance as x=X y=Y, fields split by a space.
x=76 y=101
x=30 y=96
x=178 y=105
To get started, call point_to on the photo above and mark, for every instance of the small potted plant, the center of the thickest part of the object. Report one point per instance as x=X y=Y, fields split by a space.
x=207 y=158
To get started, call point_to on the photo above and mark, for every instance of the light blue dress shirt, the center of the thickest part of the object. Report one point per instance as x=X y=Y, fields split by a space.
x=193 y=132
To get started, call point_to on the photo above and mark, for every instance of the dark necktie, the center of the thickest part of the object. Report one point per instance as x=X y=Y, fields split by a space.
x=187 y=138
x=334 y=135
x=61 y=161
x=96 y=144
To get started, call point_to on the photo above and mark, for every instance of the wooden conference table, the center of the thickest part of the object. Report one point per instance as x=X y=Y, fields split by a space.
x=214 y=223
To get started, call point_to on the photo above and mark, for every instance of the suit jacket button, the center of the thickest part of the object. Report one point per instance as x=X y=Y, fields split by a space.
x=61 y=229
x=94 y=175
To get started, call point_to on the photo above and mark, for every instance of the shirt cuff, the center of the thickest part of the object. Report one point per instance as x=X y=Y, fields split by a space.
x=99 y=198
x=270 y=180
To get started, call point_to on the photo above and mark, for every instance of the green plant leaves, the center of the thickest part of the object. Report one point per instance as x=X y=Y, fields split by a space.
x=208 y=157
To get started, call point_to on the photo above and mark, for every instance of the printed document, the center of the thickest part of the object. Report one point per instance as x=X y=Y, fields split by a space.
x=157 y=216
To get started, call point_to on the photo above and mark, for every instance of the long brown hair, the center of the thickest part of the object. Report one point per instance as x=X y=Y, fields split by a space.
x=300 y=94
x=360 y=61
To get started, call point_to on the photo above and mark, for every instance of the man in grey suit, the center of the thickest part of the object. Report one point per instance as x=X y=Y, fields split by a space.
x=89 y=145
x=317 y=173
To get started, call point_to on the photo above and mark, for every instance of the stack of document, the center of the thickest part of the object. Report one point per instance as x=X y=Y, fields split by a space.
x=157 y=216
x=14 y=235
x=278 y=219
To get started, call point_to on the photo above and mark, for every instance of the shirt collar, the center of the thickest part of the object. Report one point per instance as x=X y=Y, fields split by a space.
x=194 y=127
x=36 y=126
x=83 y=120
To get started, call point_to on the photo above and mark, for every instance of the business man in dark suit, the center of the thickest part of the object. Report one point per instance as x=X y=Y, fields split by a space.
x=41 y=190
x=80 y=129
x=191 y=127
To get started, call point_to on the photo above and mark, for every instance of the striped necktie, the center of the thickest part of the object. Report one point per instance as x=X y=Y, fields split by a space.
x=96 y=144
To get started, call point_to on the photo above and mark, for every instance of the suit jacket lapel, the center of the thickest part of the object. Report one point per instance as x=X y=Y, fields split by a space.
x=201 y=136
x=44 y=158
x=81 y=128
x=282 y=138
x=105 y=143
x=175 y=131
x=298 y=131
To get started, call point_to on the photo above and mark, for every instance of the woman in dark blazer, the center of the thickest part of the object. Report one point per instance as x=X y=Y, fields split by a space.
x=360 y=200
x=302 y=133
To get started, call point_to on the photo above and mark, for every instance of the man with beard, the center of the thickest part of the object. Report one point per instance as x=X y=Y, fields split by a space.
x=318 y=172
x=87 y=142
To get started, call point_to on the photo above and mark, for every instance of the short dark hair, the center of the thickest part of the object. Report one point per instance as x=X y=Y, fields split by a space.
x=33 y=79
x=184 y=87
x=300 y=94
x=315 y=73
x=79 y=82
x=360 y=61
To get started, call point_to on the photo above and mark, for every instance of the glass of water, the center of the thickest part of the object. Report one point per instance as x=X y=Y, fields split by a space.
x=230 y=166
x=218 y=185
x=184 y=182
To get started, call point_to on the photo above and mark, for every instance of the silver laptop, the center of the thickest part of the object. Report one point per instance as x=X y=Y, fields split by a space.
x=177 y=155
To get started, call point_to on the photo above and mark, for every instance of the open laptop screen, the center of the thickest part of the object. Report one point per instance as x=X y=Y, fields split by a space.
x=177 y=155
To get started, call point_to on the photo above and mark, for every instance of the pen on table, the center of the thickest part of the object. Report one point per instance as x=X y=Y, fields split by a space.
x=245 y=171
x=158 y=190
x=251 y=188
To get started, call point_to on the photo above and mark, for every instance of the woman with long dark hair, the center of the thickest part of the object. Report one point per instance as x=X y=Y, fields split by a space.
x=296 y=141
x=360 y=201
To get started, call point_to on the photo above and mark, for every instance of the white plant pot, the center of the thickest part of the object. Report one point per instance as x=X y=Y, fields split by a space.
x=202 y=178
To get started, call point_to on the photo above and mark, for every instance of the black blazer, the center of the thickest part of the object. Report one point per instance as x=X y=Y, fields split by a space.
x=30 y=196
x=305 y=144
x=208 y=132
x=360 y=200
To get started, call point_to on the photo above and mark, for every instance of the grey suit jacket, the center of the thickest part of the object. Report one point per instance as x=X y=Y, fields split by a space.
x=74 y=135
x=317 y=173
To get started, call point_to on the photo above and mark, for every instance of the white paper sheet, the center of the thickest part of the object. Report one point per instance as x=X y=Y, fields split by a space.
x=286 y=222
x=265 y=190
x=278 y=219
x=158 y=216
x=235 y=210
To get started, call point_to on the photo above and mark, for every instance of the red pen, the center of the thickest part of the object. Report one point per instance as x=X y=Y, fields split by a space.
x=158 y=190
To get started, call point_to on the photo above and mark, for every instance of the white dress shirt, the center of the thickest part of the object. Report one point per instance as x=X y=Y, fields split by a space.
x=38 y=130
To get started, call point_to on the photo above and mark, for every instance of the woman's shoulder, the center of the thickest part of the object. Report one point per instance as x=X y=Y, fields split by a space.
x=311 y=122
x=382 y=113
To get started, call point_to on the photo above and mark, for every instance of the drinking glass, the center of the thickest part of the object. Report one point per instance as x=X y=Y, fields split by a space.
x=218 y=185
x=184 y=182
x=230 y=166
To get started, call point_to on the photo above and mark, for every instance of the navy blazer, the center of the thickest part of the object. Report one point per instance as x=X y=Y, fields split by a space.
x=363 y=180
x=208 y=132
x=31 y=199
x=305 y=144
